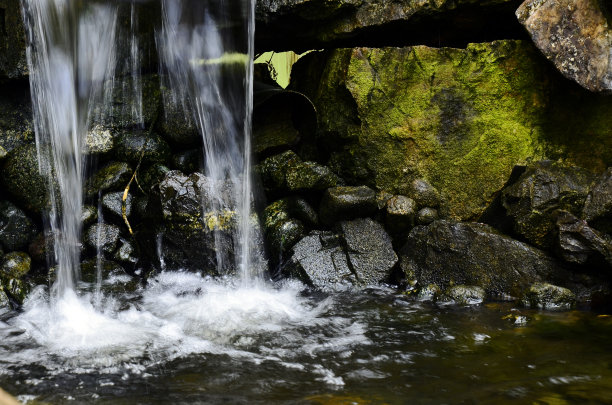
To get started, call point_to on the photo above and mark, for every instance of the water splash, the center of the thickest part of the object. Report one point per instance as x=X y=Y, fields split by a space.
x=70 y=55
x=206 y=49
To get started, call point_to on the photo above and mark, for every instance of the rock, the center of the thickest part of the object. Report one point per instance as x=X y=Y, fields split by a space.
x=400 y=214
x=194 y=240
x=575 y=36
x=187 y=161
x=13 y=63
x=113 y=203
x=548 y=296
x=598 y=206
x=16 y=125
x=114 y=176
x=3 y=153
x=466 y=294
x=89 y=269
x=5 y=304
x=318 y=24
x=102 y=236
x=89 y=215
x=131 y=146
x=318 y=260
x=347 y=202
x=281 y=229
x=17 y=290
x=41 y=245
x=124 y=111
x=578 y=244
x=460 y=118
x=381 y=199
x=429 y=293
x=15 y=265
x=126 y=252
x=99 y=140
x=177 y=123
x=453 y=253
x=426 y=216
x=287 y=171
x=369 y=250
x=152 y=176
x=423 y=193
x=22 y=179
x=16 y=229
x=544 y=188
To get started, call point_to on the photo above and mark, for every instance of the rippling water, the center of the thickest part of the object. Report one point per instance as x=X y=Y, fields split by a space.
x=188 y=339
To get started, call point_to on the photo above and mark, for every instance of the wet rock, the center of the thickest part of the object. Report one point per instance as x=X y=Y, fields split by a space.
x=423 y=193
x=113 y=204
x=124 y=111
x=131 y=146
x=575 y=36
x=17 y=290
x=177 y=123
x=548 y=296
x=102 y=236
x=544 y=188
x=152 y=176
x=579 y=244
x=41 y=245
x=15 y=265
x=194 y=240
x=428 y=293
x=381 y=199
x=288 y=172
x=318 y=260
x=114 y=176
x=466 y=294
x=598 y=206
x=400 y=214
x=5 y=304
x=369 y=250
x=126 y=253
x=453 y=253
x=460 y=118
x=22 y=179
x=16 y=126
x=187 y=161
x=16 y=229
x=281 y=229
x=13 y=63
x=99 y=140
x=89 y=215
x=426 y=216
x=347 y=202
x=89 y=269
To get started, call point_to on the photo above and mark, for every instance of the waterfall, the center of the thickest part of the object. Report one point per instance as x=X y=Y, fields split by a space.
x=71 y=56
x=206 y=51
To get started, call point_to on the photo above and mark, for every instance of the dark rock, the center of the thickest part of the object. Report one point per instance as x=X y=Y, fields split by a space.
x=579 y=244
x=89 y=269
x=400 y=214
x=113 y=203
x=13 y=63
x=177 y=122
x=426 y=216
x=193 y=239
x=544 y=188
x=89 y=215
x=319 y=261
x=346 y=202
x=152 y=176
x=123 y=111
x=16 y=289
x=282 y=231
x=16 y=126
x=369 y=250
x=126 y=253
x=41 y=246
x=424 y=194
x=22 y=179
x=15 y=265
x=5 y=304
x=187 y=161
x=132 y=146
x=548 y=296
x=381 y=199
x=574 y=35
x=16 y=229
x=114 y=176
x=598 y=206
x=451 y=253
x=466 y=294
x=102 y=236
x=429 y=293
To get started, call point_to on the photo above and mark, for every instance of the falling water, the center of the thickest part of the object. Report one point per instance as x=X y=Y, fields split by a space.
x=71 y=56
x=206 y=49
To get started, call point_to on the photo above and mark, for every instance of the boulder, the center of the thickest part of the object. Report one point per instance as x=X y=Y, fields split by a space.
x=113 y=204
x=423 y=193
x=102 y=236
x=542 y=189
x=575 y=36
x=22 y=179
x=134 y=146
x=347 y=202
x=426 y=216
x=15 y=265
x=16 y=229
x=369 y=250
x=400 y=214
x=114 y=176
x=548 y=296
x=89 y=215
x=598 y=206
x=465 y=294
x=449 y=253
x=460 y=118
x=578 y=244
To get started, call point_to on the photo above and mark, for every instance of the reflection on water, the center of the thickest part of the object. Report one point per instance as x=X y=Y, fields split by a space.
x=189 y=339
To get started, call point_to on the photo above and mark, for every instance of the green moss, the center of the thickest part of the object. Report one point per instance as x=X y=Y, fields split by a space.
x=460 y=118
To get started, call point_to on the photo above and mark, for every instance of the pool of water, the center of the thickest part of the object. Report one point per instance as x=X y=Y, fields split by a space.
x=188 y=339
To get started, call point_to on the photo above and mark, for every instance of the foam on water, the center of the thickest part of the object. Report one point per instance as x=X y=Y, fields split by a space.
x=176 y=315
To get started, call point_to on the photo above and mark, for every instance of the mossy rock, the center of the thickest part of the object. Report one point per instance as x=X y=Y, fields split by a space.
x=459 y=118
x=132 y=146
x=15 y=265
x=22 y=179
x=113 y=176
